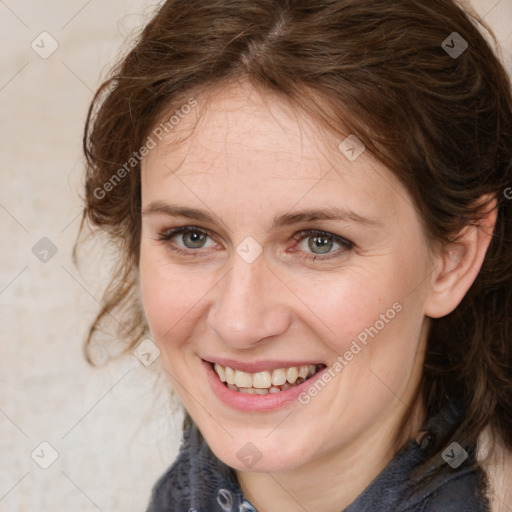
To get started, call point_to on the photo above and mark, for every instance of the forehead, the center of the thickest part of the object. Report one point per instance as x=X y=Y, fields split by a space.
x=237 y=122
x=261 y=147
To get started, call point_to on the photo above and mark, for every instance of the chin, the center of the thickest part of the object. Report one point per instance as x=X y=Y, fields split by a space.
x=250 y=451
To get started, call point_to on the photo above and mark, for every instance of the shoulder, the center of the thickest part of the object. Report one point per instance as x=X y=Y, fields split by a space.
x=459 y=491
x=197 y=480
x=168 y=490
x=458 y=495
x=174 y=485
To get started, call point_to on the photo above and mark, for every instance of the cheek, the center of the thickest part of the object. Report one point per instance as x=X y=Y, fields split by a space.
x=346 y=303
x=372 y=303
x=359 y=302
x=171 y=297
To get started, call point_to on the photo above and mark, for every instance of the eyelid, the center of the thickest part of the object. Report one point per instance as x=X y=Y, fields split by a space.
x=167 y=234
x=346 y=246
x=300 y=235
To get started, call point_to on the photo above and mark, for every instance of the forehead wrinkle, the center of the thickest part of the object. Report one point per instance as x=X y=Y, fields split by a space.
x=231 y=125
x=197 y=154
x=218 y=119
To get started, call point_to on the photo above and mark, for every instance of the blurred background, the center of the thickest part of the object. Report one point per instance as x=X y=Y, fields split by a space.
x=74 y=437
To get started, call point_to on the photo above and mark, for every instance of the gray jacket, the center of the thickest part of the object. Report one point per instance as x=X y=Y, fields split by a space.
x=413 y=481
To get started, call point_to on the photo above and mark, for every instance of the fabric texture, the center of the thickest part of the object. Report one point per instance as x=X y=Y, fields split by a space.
x=412 y=482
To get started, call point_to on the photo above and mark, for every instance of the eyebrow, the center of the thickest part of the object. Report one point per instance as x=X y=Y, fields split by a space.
x=286 y=219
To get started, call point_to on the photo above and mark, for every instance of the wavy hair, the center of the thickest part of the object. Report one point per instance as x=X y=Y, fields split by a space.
x=442 y=123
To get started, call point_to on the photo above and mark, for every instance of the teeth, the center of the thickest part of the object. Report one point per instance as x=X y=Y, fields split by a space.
x=243 y=379
x=248 y=391
x=261 y=380
x=278 y=376
x=292 y=374
x=262 y=383
x=220 y=372
x=230 y=375
x=303 y=371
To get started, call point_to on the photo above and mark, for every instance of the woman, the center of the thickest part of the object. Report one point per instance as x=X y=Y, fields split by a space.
x=309 y=201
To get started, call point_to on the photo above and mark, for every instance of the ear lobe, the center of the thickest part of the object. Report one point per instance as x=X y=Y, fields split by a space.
x=459 y=263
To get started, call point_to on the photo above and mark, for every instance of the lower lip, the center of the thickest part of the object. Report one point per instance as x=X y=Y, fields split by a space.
x=256 y=403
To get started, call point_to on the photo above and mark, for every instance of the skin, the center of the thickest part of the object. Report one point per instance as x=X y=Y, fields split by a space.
x=248 y=160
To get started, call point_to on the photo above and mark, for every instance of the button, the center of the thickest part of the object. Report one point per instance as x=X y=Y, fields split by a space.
x=425 y=439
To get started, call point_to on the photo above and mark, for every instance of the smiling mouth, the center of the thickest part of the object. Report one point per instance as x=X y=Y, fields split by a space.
x=265 y=382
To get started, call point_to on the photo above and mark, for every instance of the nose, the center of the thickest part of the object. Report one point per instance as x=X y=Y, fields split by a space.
x=248 y=305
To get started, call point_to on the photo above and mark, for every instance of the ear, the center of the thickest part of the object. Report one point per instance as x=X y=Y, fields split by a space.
x=459 y=262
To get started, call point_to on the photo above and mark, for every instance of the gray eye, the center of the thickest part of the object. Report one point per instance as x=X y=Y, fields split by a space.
x=193 y=239
x=320 y=244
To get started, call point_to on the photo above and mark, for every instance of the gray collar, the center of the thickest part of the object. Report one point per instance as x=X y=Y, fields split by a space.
x=413 y=481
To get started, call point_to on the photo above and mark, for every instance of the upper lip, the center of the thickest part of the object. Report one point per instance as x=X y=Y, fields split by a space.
x=258 y=366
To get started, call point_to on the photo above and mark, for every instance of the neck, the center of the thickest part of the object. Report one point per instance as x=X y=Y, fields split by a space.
x=332 y=482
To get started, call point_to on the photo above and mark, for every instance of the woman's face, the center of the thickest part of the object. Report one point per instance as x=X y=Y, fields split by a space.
x=268 y=250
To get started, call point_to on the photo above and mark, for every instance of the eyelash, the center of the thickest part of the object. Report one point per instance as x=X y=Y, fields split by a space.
x=345 y=244
x=167 y=235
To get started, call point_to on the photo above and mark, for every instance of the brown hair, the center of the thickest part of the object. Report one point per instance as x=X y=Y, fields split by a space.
x=441 y=122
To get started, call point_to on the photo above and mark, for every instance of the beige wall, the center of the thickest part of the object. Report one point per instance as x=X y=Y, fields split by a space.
x=114 y=435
